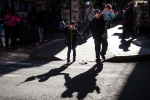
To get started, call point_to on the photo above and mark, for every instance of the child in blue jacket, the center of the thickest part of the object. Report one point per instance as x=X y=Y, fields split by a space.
x=108 y=16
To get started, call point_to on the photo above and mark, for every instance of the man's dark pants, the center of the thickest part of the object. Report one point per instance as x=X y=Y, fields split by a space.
x=10 y=32
x=98 y=43
x=125 y=28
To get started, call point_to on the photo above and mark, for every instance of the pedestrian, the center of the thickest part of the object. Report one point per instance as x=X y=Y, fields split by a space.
x=128 y=20
x=97 y=25
x=31 y=20
x=89 y=14
x=108 y=16
x=50 y=17
x=71 y=40
x=2 y=21
x=40 y=18
x=12 y=20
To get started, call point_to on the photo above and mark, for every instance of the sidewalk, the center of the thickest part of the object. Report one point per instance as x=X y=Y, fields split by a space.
x=55 y=49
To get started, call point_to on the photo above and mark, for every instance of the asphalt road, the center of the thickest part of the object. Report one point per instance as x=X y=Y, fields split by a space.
x=54 y=80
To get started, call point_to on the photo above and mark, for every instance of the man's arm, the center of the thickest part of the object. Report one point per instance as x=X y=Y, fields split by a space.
x=125 y=15
x=85 y=15
x=87 y=27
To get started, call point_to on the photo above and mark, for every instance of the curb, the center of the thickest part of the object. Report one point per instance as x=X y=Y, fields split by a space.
x=130 y=58
x=17 y=56
x=14 y=56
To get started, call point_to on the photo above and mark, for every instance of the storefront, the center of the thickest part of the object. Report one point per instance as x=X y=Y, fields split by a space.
x=3 y=5
x=68 y=10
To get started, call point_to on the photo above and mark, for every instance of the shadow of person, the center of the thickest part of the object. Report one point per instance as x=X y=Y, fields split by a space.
x=125 y=44
x=83 y=83
x=46 y=76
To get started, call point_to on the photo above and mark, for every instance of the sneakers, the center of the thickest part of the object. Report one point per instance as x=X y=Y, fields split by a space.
x=104 y=36
x=68 y=62
x=39 y=43
x=103 y=56
x=74 y=59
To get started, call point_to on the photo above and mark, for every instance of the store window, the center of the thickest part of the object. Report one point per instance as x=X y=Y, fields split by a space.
x=22 y=5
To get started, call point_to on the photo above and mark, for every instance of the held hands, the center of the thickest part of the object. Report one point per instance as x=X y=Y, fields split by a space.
x=82 y=37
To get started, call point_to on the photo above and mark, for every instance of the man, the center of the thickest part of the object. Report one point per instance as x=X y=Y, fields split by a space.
x=41 y=15
x=31 y=20
x=128 y=20
x=97 y=25
x=89 y=14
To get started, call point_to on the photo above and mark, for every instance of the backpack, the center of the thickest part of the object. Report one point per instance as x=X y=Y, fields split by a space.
x=62 y=25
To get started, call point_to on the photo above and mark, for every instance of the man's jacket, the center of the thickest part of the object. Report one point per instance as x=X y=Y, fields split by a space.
x=71 y=36
x=97 y=27
x=129 y=15
x=41 y=15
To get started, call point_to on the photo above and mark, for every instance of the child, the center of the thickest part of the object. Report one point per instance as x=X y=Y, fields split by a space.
x=71 y=39
x=108 y=16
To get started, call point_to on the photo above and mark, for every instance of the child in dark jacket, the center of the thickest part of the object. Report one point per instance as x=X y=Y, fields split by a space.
x=71 y=39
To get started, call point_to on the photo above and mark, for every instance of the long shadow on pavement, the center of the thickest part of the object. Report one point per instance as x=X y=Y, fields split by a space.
x=125 y=44
x=83 y=83
x=46 y=76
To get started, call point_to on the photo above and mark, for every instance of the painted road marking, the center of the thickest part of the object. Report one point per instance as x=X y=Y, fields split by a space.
x=9 y=75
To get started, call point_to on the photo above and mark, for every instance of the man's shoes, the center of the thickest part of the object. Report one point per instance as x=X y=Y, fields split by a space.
x=98 y=62
x=68 y=62
x=103 y=56
x=74 y=59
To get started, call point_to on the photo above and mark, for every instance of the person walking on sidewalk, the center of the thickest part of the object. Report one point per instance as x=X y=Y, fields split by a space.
x=12 y=19
x=89 y=14
x=71 y=39
x=40 y=17
x=97 y=25
x=31 y=20
x=128 y=20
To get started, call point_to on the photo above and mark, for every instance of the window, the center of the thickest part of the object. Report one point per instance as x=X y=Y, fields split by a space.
x=22 y=5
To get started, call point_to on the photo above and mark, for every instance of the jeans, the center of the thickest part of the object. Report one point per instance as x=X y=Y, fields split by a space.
x=69 y=51
x=41 y=31
x=98 y=43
